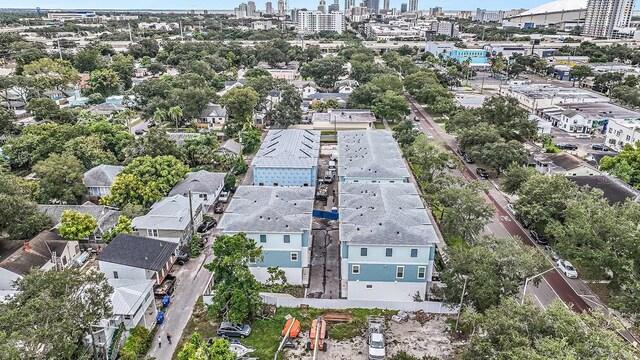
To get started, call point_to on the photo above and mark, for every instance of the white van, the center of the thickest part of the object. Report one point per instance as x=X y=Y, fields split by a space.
x=332 y=165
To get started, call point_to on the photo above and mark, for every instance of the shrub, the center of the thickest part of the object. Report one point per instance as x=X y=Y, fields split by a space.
x=137 y=344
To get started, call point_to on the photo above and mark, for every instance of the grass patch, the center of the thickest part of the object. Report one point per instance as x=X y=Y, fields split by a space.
x=328 y=141
x=293 y=290
x=440 y=120
x=379 y=125
x=266 y=335
x=136 y=122
x=327 y=132
x=199 y=322
x=602 y=291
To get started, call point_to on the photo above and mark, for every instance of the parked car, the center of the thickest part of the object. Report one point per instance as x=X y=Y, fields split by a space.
x=218 y=208
x=567 y=269
x=482 y=173
x=537 y=237
x=460 y=152
x=182 y=258
x=224 y=197
x=554 y=255
x=375 y=338
x=207 y=225
x=451 y=164
x=234 y=330
x=467 y=159
x=415 y=118
x=138 y=132
x=511 y=209
x=332 y=165
x=597 y=146
x=328 y=177
x=567 y=146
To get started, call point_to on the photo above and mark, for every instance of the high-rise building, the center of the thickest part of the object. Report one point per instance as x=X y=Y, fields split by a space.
x=385 y=5
x=413 y=6
x=603 y=16
x=322 y=6
x=316 y=21
x=348 y=4
x=337 y=4
x=242 y=10
x=268 y=7
x=281 y=9
x=435 y=11
x=372 y=5
x=333 y=8
x=251 y=8
x=403 y=7
x=484 y=15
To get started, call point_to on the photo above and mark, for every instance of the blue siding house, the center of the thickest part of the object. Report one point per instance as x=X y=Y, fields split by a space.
x=279 y=220
x=370 y=156
x=387 y=241
x=287 y=158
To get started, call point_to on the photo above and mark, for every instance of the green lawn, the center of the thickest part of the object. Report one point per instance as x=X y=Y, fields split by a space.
x=379 y=125
x=266 y=334
x=327 y=132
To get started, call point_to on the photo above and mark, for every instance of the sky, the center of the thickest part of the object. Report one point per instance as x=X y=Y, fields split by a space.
x=230 y=4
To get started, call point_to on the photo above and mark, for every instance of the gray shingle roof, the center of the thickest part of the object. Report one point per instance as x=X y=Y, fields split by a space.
x=370 y=154
x=384 y=214
x=105 y=216
x=269 y=209
x=138 y=251
x=21 y=261
x=170 y=213
x=615 y=191
x=290 y=148
x=179 y=138
x=200 y=181
x=128 y=294
x=101 y=175
x=213 y=110
x=231 y=146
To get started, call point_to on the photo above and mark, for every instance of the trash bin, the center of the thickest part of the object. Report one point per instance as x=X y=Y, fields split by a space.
x=165 y=301
x=160 y=318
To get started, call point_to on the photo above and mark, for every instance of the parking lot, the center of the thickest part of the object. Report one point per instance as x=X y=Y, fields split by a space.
x=584 y=145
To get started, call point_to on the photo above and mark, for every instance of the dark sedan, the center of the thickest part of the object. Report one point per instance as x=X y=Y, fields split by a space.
x=207 y=225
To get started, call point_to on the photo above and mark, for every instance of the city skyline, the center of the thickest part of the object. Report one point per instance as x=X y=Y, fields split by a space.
x=260 y=4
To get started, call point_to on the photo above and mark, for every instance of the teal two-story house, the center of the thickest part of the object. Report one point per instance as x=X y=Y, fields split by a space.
x=387 y=241
x=279 y=220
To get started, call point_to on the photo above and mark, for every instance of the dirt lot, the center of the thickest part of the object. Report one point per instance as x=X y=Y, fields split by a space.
x=429 y=340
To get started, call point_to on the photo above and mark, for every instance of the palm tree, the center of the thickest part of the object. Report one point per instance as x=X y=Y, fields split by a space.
x=126 y=117
x=175 y=114
x=159 y=115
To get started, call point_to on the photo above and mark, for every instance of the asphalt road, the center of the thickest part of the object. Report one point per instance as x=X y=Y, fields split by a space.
x=553 y=285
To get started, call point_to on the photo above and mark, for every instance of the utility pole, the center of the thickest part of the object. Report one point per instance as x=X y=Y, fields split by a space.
x=193 y=231
x=524 y=291
x=464 y=289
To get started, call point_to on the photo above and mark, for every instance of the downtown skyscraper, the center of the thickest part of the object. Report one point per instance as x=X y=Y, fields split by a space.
x=413 y=6
x=603 y=16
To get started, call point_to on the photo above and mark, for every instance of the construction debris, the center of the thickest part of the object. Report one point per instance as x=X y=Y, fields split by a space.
x=337 y=317
x=423 y=317
x=402 y=316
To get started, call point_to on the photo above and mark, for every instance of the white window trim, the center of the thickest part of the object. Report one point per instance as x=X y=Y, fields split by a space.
x=152 y=232
x=353 y=269
x=425 y=272
x=398 y=268
x=292 y=255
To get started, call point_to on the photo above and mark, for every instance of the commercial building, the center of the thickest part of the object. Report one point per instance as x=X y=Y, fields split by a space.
x=372 y=5
x=603 y=16
x=268 y=8
x=584 y=117
x=537 y=96
x=348 y=4
x=309 y=22
x=403 y=8
x=343 y=119
x=287 y=158
x=483 y=15
x=477 y=57
x=72 y=15
x=413 y=6
x=279 y=220
x=561 y=14
x=621 y=132
x=370 y=156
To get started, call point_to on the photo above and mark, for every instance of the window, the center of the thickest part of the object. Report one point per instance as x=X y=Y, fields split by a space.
x=369 y=286
x=287 y=239
x=399 y=272
x=414 y=252
x=152 y=232
x=422 y=272
x=263 y=238
x=355 y=269
x=389 y=252
x=363 y=251
x=115 y=274
x=294 y=256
